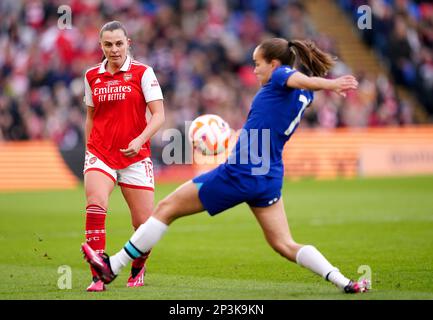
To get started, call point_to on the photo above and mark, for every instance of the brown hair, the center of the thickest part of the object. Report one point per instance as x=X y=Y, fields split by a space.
x=111 y=26
x=311 y=57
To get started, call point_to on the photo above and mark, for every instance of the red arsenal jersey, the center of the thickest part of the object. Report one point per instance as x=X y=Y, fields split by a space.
x=120 y=102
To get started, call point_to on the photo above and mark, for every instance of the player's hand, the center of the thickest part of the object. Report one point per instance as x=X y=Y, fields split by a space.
x=133 y=149
x=345 y=83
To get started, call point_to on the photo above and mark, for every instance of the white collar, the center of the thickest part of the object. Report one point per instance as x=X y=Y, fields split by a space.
x=125 y=67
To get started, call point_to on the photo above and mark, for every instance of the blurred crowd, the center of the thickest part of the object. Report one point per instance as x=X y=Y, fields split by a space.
x=200 y=51
x=402 y=34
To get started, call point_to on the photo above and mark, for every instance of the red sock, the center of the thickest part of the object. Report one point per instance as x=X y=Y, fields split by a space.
x=95 y=229
x=139 y=262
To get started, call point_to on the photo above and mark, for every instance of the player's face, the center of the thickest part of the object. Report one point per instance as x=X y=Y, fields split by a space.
x=115 y=45
x=263 y=70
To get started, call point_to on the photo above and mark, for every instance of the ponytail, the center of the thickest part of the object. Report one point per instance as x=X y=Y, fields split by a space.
x=311 y=57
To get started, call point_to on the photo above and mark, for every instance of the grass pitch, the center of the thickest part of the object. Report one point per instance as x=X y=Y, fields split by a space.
x=385 y=224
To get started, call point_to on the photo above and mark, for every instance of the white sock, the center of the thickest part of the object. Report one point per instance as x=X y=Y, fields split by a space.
x=310 y=258
x=119 y=260
x=144 y=238
x=337 y=278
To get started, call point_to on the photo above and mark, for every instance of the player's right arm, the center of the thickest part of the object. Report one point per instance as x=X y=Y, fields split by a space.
x=89 y=122
x=340 y=85
x=90 y=109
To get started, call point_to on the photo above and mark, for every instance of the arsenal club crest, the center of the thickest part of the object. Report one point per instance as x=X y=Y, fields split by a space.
x=127 y=76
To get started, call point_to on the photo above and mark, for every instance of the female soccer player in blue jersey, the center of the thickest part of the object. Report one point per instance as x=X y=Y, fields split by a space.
x=275 y=114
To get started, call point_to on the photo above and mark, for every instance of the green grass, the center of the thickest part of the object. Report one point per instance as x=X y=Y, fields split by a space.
x=386 y=224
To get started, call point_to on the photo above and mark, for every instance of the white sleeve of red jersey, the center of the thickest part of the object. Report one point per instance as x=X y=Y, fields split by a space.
x=87 y=93
x=150 y=86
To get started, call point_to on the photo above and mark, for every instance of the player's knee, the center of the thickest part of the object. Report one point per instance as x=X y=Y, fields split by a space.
x=165 y=211
x=98 y=200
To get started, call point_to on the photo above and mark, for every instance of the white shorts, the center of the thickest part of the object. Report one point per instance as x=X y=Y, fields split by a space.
x=138 y=175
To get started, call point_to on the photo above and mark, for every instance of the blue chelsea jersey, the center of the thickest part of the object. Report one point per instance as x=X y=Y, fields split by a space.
x=275 y=114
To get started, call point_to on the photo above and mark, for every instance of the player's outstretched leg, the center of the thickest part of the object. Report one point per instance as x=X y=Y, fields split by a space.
x=99 y=262
x=275 y=227
x=311 y=258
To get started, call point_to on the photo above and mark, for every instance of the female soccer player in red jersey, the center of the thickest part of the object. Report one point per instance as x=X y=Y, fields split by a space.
x=118 y=92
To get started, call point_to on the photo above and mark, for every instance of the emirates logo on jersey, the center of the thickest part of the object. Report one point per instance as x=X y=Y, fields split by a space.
x=111 y=93
x=127 y=76
x=112 y=89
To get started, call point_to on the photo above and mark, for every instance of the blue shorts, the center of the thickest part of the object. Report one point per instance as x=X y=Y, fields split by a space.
x=221 y=189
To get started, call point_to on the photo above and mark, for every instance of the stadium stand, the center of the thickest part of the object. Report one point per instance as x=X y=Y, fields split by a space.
x=357 y=54
x=403 y=37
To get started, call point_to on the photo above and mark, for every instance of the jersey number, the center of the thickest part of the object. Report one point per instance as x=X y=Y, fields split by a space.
x=295 y=122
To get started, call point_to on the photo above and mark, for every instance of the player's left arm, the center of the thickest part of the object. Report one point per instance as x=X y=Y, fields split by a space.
x=339 y=85
x=156 y=108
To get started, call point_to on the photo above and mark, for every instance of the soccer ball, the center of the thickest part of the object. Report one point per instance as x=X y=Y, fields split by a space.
x=209 y=134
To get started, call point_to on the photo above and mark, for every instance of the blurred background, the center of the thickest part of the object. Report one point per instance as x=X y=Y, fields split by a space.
x=201 y=53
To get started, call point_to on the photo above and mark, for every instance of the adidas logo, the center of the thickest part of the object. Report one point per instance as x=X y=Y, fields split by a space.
x=273 y=201
x=97 y=81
